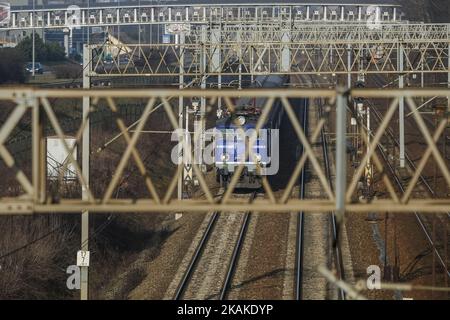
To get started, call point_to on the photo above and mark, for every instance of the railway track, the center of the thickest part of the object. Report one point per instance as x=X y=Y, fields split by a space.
x=250 y=268
x=421 y=220
x=212 y=267
x=301 y=222
x=334 y=225
x=322 y=237
x=398 y=181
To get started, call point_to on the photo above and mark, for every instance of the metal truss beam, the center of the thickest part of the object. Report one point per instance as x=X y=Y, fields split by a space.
x=35 y=196
x=350 y=32
x=75 y=16
x=311 y=48
x=195 y=206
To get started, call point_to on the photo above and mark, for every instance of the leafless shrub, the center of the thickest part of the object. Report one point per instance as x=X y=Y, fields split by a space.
x=34 y=256
x=67 y=71
x=36 y=250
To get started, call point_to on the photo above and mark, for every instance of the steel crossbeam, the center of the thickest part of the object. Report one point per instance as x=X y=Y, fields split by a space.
x=34 y=196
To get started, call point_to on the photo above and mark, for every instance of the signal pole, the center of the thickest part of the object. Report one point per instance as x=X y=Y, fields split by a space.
x=181 y=149
x=401 y=113
x=85 y=170
x=33 y=63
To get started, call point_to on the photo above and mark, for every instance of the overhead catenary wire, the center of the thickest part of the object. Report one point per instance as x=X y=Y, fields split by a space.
x=25 y=246
x=91 y=236
x=74 y=79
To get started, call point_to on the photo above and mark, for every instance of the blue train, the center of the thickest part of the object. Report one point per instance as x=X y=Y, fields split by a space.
x=230 y=148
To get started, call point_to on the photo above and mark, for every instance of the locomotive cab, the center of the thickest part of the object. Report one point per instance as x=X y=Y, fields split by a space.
x=233 y=138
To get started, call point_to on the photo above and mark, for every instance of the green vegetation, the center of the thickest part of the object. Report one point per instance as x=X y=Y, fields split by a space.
x=12 y=64
x=44 y=52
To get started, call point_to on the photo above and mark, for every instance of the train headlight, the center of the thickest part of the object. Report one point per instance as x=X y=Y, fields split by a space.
x=241 y=120
x=225 y=157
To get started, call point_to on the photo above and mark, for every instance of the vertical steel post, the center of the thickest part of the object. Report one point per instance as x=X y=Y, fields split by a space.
x=433 y=270
x=138 y=12
x=401 y=108
x=286 y=51
x=446 y=251
x=39 y=155
x=66 y=41
x=341 y=153
x=238 y=38
x=202 y=120
x=87 y=65
x=180 y=120
x=36 y=139
x=349 y=66
x=369 y=169
x=219 y=78
x=448 y=75
x=88 y=22
x=33 y=63
x=216 y=52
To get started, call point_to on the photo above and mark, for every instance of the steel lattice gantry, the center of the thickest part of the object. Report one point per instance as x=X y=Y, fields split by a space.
x=196 y=14
x=279 y=48
x=39 y=106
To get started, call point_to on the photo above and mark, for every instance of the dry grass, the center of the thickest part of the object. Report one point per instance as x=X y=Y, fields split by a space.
x=37 y=269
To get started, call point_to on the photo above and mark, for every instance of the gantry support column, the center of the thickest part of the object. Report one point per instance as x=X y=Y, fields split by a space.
x=401 y=108
x=87 y=66
x=349 y=66
x=448 y=76
x=341 y=154
x=199 y=123
x=216 y=59
x=286 y=51
x=181 y=150
x=67 y=41
x=39 y=150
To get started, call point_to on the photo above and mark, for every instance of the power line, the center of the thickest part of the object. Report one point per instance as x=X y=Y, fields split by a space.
x=74 y=79
x=30 y=243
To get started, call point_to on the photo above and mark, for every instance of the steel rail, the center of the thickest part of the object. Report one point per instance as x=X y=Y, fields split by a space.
x=201 y=248
x=301 y=219
x=196 y=257
x=407 y=157
x=416 y=214
x=391 y=135
x=336 y=242
x=236 y=252
x=334 y=226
